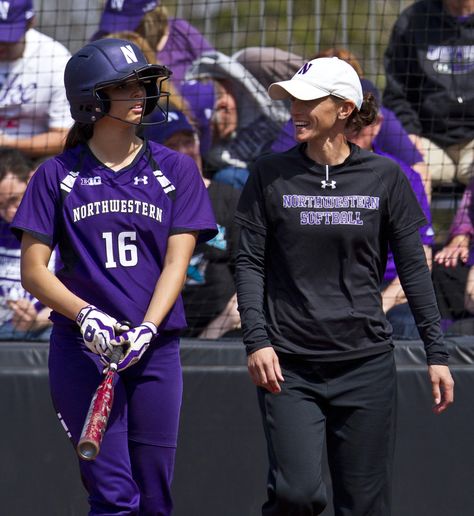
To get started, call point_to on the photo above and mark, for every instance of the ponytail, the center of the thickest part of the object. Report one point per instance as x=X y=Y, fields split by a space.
x=365 y=116
x=79 y=133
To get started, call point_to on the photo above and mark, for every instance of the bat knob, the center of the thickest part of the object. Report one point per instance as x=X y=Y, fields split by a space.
x=87 y=450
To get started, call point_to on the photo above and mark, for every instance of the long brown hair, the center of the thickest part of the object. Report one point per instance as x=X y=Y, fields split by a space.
x=79 y=133
x=364 y=116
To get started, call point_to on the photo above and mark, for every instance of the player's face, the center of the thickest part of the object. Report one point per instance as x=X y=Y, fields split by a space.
x=127 y=100
x=313 y=119
x=224 y=117
x=11 y=193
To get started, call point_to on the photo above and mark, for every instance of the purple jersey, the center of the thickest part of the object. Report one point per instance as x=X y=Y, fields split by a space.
x=426 y=232
x=185 y=44
x=112 y=228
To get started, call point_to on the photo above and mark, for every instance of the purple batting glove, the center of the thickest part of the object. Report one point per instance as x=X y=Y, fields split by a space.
x=135 y=343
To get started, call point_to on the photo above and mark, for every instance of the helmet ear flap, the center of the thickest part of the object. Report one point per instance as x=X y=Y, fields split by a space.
x=104 y=101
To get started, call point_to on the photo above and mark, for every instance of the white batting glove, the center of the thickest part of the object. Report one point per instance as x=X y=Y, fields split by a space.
x=135 y=342
x=97 y=329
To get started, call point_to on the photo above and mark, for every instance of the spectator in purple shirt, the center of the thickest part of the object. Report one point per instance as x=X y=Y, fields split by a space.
x=395 y=303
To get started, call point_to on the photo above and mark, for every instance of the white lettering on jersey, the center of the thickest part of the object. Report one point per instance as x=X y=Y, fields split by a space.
x=117 y=5
x=4 y=8
x=331 y=201
x=344 y=203
x=91 y=181
x=129 y=54
x=93 y=209
x=315 y=218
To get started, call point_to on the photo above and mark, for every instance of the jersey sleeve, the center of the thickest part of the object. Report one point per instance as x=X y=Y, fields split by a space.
x=192 y=210
x=38 y=210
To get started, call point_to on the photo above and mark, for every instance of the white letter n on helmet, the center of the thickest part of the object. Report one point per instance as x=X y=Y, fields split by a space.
x=129 y=54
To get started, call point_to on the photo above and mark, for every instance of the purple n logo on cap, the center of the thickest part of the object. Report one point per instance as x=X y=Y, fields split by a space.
x=304 y=68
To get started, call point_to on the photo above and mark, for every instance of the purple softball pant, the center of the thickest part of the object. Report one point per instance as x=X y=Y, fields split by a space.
x=133 y=472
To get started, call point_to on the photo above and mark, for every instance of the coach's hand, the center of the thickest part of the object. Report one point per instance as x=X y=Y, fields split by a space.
x=135 y=342
x=442 y=385
x=97 y=329
x=264 y=369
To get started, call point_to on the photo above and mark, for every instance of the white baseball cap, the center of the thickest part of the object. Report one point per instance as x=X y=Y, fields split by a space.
x=319 y=78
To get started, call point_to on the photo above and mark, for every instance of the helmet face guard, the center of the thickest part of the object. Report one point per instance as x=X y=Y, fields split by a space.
x=108 y=62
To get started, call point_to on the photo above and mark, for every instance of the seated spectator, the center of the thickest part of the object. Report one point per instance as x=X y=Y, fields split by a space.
x=21 y=316
x=391 y=138
x=244 y=120
x=395 y=303
x=176 y=42
x=209 y=293
x=34 y=112
x=452 y=269
x=429 y=66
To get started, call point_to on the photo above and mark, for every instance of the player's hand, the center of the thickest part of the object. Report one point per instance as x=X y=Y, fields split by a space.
x=442 y=385
x=97 y=329
x=264 y=369
x=135 y=342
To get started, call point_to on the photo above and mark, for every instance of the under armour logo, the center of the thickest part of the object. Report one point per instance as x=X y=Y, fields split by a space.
x=129 y=54
x=326 y=184
x=143 y=180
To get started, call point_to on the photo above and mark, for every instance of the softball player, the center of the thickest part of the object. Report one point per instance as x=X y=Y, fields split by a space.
x=316 y=223
x=126 y=215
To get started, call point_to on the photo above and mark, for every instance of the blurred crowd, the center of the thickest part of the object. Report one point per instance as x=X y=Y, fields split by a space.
x=221 y=115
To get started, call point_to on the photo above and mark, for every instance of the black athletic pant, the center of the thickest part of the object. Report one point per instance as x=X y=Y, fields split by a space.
x=350 y=406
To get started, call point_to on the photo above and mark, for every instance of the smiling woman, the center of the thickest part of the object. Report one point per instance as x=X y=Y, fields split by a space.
x=319 y=345
x=126 y=214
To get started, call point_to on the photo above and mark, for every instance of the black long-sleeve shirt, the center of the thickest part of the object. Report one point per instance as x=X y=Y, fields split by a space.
x=311 y=258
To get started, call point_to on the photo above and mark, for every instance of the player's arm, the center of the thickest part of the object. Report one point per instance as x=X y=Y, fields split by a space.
x=416 y=281
x=37 y=279
x=263 y=363
x=43 y=144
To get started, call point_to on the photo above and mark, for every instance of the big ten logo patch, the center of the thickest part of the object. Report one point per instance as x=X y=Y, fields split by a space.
x=91 y=181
